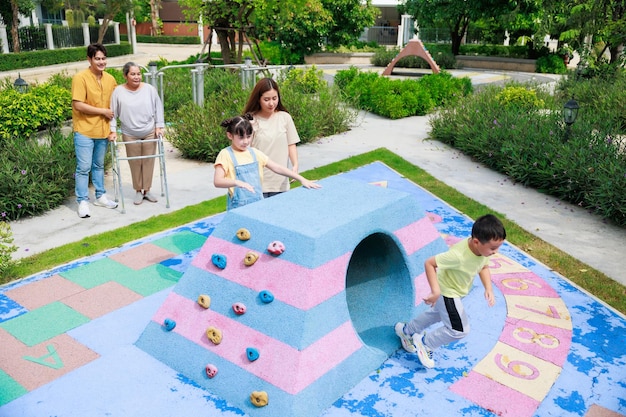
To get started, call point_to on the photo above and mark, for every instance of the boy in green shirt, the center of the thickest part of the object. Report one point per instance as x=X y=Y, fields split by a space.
x=450 y=276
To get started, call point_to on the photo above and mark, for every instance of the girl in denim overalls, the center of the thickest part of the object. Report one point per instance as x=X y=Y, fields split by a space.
x=240 y=167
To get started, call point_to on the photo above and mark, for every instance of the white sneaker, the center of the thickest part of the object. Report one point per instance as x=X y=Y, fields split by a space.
x=424 y=354
x=103 y=201
x=407 y=341
x=83 y=209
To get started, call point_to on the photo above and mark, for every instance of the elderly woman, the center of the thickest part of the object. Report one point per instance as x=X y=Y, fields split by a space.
x=139 y=109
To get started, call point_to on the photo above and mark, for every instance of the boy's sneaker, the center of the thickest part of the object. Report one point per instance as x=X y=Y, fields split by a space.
x=83 y=209
x=103 y=201
x=424 y=354
x=407 y=341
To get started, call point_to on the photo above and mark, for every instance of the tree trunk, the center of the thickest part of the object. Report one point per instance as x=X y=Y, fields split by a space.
x=155 y=5
x=457 y=33
x=16 y=22
x=103 y=28
x=222 y=36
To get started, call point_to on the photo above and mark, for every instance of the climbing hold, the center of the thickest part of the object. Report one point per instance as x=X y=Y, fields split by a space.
x=276 y=247
x=211 y=370
x=259 y=398
x=266 y=296
x=243 y=234
x=214 y=335
x=169 y=324
x=219 y=260
x=239 y=308
x=250 y=258
x=204 y=300
x=252 y=354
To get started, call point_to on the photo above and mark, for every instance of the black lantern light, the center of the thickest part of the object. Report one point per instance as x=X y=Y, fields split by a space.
x=570 y=112
x=20 y=85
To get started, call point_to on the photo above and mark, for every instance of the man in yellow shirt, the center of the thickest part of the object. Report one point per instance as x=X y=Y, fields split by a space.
x=91 y=115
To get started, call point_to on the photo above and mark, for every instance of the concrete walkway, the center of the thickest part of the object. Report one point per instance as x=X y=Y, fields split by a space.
x=567 y=227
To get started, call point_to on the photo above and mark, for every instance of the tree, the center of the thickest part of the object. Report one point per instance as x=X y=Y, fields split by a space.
x=300 y=26
x=230 y=19
x=10 y=11
x=109 y=9
x=155 y=5
x=455 y=15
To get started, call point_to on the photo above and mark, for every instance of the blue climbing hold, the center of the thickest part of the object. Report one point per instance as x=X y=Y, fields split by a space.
x=219 y=260
x=266 y=296
x=169 y=324
x=252 y=354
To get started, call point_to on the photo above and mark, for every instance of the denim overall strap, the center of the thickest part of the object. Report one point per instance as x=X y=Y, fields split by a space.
x=248 y=173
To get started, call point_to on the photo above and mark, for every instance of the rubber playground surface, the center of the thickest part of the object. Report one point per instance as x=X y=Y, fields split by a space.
x=547 y=348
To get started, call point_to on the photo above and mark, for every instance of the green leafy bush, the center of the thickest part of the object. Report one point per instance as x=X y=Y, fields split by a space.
x=23 y=114
x=35 y=175
x=520 y=97
x=523 y=136
x=6 y=247
x=400 y=98
x=197 y=133
x=551 y=64
x=306 y=81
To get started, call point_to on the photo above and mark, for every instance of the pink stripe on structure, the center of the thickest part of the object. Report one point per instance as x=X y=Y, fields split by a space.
x=279 y=364
x=417 y=235
x=292 y=284
x=495 y=397
x=422 y=288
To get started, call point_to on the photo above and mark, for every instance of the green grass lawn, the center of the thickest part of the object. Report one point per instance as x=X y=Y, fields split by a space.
x=581 y=274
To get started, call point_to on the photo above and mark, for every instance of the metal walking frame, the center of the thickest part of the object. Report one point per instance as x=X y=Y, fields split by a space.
x=117 y=178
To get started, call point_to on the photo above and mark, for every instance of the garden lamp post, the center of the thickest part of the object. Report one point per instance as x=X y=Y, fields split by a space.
x=20 y=85
x=570 y=112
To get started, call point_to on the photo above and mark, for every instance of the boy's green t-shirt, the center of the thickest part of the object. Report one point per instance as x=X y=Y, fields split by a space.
x=457 y=268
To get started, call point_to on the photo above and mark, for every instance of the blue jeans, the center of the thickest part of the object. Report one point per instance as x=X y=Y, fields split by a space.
x=89 y=158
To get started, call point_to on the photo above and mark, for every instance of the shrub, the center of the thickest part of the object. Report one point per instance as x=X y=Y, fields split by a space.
x=35 y=176
x=400 y=98
x=6 y=247
x=23 y=114
x=197 y=132
x=520 y=97
x=306 y=81
x=551 y=64
x=522 y=135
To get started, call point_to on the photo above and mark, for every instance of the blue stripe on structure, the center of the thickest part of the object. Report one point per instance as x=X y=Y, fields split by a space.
x=235 y=384
x=270 y=319
x=343 y=212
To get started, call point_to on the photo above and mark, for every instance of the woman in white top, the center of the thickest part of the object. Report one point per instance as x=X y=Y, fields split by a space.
x=275 y=133
x=139 y=108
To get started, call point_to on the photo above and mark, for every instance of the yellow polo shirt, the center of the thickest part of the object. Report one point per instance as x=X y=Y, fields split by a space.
x=87 y=89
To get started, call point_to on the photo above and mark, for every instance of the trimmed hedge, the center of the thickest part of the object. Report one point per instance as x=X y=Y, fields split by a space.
x=181 y=40
x=33 y=59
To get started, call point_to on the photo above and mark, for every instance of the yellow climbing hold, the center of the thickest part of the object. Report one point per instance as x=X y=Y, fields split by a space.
x=243 y=234
x=204 y=300
x=214 y=335
x=259 y=398
x=250 y=258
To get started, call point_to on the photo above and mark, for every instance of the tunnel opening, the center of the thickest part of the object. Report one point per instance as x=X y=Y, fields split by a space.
x=378 y=291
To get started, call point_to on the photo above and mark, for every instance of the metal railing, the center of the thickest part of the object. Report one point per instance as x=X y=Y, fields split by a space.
x=248 y=74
